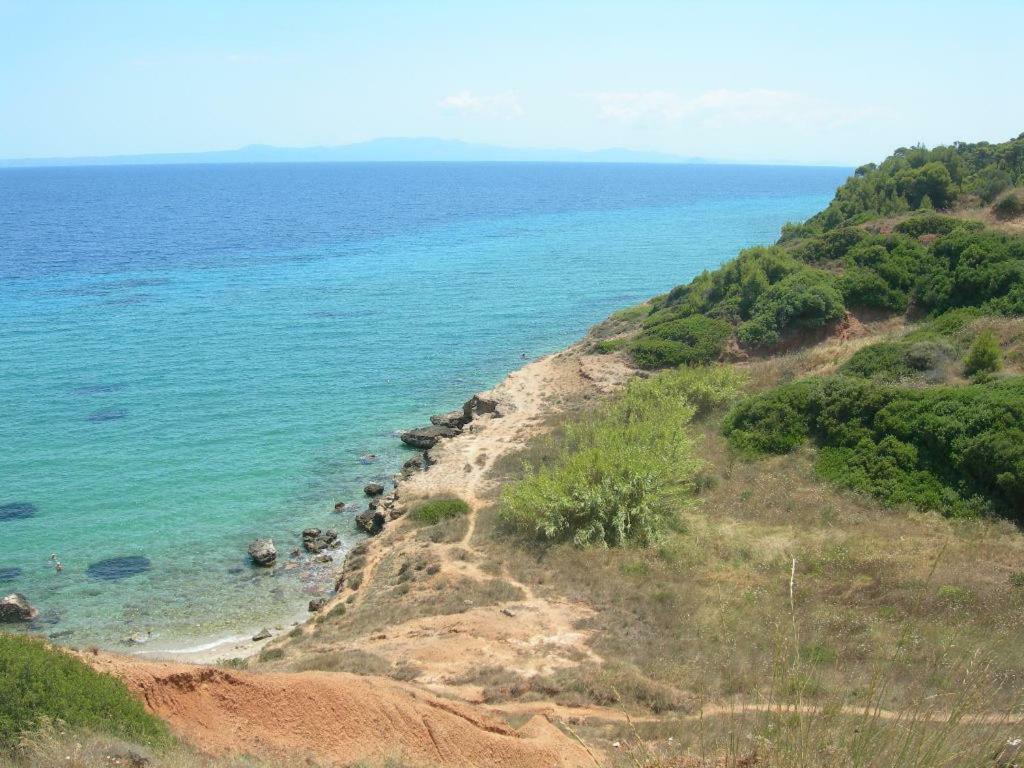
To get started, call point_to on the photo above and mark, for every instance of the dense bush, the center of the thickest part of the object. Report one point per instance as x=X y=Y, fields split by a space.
x=39 y=683
x=931 y=224
x=805 y=299
x=436 y=510
x=694 y=340
x=953 y=449
x=984 y=355
x=1009 y=207
x=616 y=470
x=918 y=178
x=972 y=268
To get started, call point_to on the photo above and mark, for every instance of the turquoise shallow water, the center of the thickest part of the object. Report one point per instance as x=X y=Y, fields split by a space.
x=191 y=357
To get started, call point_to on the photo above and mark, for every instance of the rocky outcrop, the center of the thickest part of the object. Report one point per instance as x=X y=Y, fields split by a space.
x=316 y=541
x=427 y=437
x=263 y=634
x=263 y=552
x=479 y=406
x=371 y=521
x=373 y=489
x=453 y=419
x=317 y=604
x=15 y=607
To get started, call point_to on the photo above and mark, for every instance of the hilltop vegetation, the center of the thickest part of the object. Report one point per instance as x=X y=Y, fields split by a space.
x=879 y=249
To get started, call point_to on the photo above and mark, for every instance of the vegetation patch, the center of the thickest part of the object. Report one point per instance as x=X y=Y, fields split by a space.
x=958 y=450
x=40 y=684
x=611 y=476
x=437 y=510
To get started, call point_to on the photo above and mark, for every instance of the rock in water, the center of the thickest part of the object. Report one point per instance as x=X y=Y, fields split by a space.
x=263 y=634
x=263 y=552
x=371 y=521
x=455 y=420
x=316 y=541
x=15 y=607
x=427 y=437
x=373 y=489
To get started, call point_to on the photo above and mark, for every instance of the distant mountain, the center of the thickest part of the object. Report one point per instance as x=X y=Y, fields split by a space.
x=387 y=149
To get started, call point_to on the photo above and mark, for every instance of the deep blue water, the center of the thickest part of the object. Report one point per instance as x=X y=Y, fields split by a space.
x=191 y=356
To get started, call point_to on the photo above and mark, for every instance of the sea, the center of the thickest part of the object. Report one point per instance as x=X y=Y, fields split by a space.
x=195 y=356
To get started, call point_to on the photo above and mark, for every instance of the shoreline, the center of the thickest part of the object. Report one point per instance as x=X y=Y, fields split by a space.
x=518 y=403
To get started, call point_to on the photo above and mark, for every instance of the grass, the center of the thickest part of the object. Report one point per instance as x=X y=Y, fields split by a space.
x=40 y=684
x=437 y=510
x=703 y=613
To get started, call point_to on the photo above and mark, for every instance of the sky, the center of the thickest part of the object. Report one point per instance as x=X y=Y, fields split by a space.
x=801 y=82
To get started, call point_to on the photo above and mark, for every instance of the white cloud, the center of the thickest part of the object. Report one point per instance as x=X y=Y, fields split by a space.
x=498 y=105
x=721 y=106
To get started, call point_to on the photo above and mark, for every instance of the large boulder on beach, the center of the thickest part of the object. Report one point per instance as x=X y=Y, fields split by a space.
x=479 y=406
x=263 y=552
x=453 y=419
x=427 y=437
x=15 y=607
x=371 y=521
x=373 y=489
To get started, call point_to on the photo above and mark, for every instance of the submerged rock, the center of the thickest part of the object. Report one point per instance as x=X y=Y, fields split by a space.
x=116 y=568
x=373 y=489
x=263 y=552
x=107 y=414
x=427 y=437
x=16 y=607
x=9 y=574
x=17 y=510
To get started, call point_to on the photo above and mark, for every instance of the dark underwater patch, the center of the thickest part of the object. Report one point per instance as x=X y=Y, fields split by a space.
x=107 y=414
x=17 y=510
x=9 y=574
x=117 y=568
x=98 y=389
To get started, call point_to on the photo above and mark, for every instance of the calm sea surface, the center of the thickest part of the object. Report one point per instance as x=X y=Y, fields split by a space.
x=193 y=356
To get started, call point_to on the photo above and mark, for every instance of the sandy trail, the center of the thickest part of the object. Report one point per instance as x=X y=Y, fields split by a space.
x=529 y=636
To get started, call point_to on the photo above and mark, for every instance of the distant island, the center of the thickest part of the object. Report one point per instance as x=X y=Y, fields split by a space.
x=399 y=149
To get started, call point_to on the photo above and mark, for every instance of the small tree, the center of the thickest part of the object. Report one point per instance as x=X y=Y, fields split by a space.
x=1008 y=207
x=985 y=355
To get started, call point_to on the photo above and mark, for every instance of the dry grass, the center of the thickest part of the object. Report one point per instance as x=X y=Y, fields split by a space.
x=879 y=595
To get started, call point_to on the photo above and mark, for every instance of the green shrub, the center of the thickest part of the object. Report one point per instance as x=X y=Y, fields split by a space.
x=953 y=449
x=862 y=287
x=695 y=340
x=607 y=346
x=805 y=299
x=1008 y=207
x=436 y=510
x=984 y=355
x=928 y=224
x=39 y=683
x=884 y=361
x=614 y=472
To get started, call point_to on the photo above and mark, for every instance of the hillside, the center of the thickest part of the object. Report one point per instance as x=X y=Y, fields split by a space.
x=770 y=518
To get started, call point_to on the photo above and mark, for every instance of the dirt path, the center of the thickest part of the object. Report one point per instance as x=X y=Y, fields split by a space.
x=554 y=711
x=530 y=635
